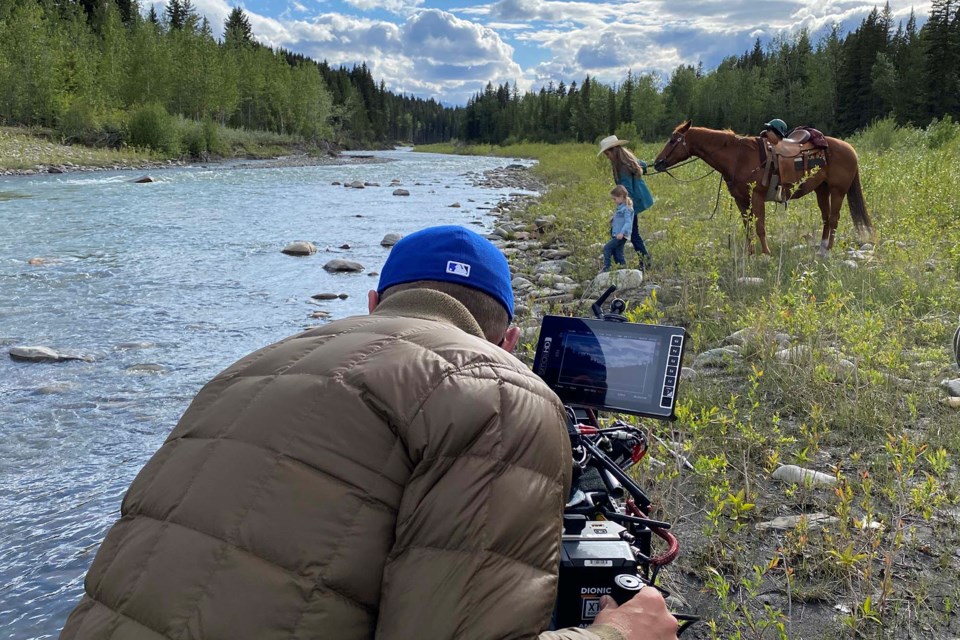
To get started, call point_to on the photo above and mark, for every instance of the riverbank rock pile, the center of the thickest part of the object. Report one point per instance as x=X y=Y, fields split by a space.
x=512 y=176
x=545 y=277
x=70 y=167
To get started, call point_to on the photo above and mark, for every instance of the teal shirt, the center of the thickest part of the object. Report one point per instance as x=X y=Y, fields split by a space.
x=637 y=188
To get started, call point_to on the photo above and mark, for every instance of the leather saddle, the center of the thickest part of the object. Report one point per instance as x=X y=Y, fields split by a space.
x=789 y=161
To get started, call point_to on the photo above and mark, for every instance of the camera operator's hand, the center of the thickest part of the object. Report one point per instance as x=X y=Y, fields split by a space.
x=643 y=617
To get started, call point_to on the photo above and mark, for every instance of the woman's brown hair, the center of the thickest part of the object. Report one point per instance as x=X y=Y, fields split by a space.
x=623 y=158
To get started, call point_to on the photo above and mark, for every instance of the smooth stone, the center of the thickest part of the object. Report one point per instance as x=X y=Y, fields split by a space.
x=391 y=239
x=624 y=279
x=339 y=264
x=800 y=353
x=126 y=346
x=324 y=296
x=42 y=354
x=144 y=180
x=952 y=387
x=146 y=368
x=715 y=357
x=401 y=192
x=792 y=474
x=455 y=205
x=787 y=523
x=300 y=248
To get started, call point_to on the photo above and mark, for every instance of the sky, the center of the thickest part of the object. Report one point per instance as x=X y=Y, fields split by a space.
x=449 y=50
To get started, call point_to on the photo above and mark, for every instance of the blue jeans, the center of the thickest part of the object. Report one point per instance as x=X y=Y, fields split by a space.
x=614 y=248
x=636 y=240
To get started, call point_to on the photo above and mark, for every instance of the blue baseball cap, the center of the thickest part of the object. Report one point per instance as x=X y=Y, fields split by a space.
x=450 y=253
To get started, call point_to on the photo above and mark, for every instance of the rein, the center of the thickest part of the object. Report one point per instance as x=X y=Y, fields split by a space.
x=736 y=166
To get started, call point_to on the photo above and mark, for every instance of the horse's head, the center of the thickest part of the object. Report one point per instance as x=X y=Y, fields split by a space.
x=675 y=150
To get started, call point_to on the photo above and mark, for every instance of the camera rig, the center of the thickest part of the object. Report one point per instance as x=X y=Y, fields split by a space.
x=609 y=364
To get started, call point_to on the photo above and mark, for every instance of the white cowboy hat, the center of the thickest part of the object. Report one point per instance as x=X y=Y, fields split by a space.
x=610 y=142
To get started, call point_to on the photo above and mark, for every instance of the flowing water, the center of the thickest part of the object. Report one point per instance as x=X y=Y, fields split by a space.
x=163 y=285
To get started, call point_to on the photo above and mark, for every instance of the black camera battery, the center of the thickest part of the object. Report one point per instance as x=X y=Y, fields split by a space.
x=590 y=562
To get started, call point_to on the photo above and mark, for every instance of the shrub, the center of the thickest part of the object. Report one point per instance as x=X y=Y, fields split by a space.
x=79 y=123
x=940 y=132
x=628 y=131
x=151 y=126
x=192 y=139
x=212 y=138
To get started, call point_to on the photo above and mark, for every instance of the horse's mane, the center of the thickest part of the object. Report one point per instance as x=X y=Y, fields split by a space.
x=728 y=134
x=708 y=130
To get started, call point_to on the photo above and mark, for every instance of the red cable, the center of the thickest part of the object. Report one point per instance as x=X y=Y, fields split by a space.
x=673 y=545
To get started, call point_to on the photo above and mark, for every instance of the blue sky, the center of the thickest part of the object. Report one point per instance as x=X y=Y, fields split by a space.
x=450 y=50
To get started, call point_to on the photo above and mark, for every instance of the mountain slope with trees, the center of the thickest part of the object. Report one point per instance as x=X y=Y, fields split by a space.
x=839 y=85
x=102 y=72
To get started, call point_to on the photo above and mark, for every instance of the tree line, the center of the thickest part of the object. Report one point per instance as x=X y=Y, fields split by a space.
x=838 y=85
x=102 y=71
x=105 y=72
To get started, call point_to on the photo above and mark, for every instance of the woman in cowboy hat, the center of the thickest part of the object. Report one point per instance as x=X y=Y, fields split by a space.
x=628 y=172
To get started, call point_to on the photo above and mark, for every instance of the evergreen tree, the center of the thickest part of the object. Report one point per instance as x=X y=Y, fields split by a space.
x=941 y=35
x=237 y=30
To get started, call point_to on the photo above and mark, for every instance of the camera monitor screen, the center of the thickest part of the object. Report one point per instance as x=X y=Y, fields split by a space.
x=616 y=366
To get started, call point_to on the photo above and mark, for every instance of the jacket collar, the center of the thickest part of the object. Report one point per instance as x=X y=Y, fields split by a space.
x=429 y=305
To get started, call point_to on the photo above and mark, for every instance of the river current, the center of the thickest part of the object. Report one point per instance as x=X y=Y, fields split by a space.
x=164 y=285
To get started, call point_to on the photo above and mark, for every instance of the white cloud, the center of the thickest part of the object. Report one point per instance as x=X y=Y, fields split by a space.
x=402 y=7
x=451 y=55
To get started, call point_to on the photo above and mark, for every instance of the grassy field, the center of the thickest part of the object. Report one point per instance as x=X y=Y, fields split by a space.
x=837 y=369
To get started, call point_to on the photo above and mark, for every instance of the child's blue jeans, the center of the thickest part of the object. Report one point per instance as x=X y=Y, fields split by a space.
x=614 y=248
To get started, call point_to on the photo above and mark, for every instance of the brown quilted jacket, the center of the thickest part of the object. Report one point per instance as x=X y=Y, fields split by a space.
x=389 y=476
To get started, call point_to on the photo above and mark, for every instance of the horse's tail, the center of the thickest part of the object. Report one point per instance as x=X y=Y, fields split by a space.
x=858 y=208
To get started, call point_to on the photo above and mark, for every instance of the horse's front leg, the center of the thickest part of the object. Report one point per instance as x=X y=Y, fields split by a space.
x=758 y=210
x=826 y=238
x=745 y=215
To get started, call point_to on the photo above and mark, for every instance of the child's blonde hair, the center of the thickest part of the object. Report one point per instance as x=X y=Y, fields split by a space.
x=621 y=192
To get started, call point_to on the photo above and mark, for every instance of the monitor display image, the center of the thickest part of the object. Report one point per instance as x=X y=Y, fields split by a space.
x=617 y=366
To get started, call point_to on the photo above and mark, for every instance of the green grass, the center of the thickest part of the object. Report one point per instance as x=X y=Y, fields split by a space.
x=22 y=148
x=880 y=430
x=26 y=149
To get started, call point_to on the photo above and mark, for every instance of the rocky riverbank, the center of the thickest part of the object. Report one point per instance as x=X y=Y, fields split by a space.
x=296 y=160
x=545 y=269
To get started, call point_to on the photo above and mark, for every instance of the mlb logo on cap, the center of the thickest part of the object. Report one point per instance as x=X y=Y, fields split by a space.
x=450 y=253
x=458 y=269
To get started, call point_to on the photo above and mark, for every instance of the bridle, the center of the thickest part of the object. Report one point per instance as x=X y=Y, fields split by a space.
x=680 y=138
x=675 y=141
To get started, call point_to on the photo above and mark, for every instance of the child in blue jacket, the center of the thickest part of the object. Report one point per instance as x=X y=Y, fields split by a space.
x=620 y=226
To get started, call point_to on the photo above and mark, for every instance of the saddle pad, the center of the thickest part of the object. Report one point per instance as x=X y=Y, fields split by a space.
x=796 y=168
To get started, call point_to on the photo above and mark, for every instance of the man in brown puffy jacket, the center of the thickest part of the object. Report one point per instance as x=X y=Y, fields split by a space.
x=393 y=476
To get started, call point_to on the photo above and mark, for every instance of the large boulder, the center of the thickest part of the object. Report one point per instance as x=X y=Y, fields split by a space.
x=338 y=265
x=300 y=248
x=625 y=279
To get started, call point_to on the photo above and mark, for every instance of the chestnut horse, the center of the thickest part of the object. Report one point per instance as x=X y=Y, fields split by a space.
x=737 y=158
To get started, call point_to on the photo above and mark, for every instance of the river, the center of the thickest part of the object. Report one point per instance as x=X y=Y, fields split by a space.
x=164 y=285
